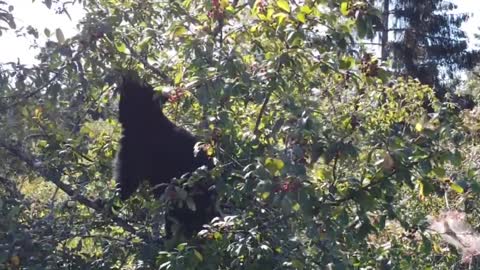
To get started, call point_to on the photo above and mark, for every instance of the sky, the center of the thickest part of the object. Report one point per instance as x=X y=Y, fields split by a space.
x=37 y=14
x=471 y=26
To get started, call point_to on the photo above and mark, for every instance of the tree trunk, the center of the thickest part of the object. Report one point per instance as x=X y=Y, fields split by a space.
x=386 y=10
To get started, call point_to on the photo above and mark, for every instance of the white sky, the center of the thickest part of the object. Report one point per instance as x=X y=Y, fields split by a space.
x=471 y=26
x=38 y=15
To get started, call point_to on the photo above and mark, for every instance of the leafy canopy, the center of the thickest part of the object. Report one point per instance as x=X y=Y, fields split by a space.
x=323 y=158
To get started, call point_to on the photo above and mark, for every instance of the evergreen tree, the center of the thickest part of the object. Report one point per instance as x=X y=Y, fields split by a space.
x=426 y=42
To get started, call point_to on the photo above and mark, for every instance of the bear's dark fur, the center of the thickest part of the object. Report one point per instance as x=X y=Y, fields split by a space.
x=153 y=148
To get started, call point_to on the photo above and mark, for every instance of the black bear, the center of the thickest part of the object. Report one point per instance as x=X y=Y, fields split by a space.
x=153 y=148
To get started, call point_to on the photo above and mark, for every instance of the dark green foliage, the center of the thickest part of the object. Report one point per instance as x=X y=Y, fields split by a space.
x=326 y=160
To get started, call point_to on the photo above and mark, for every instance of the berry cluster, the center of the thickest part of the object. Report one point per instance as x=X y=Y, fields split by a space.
x=217 y=11
x=287 y=186
x=178 y=93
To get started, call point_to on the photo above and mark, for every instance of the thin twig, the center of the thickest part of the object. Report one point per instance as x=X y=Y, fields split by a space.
x=262 y=111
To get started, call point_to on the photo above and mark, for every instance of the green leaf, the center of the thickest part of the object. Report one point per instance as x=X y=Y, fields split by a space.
x=280 y=17
x=274 y=165
x=362 y=27
x=217 y=236
x=284 y=5
x=456 y=158
x=182 y=246
x=48 y=3
x=425 y=167
x=425 y=187
x=60 y=36
x=198 y=255
x=144 y=43
x=179 y=31
x=297 y=264
x=179 y=76
x=295 y=38
x=88 y=243
x=73 y=242
x=121 y=47
x=317 y=150
x=347 y=62
x=306 y=9
x=476 y=187
x=344 y=8
x=42 y=143
x=301 y=17
x=47 y=32
x=457 y=188
x=426 y=246
x=365 y=200
x=439 y=171
x=419 y=127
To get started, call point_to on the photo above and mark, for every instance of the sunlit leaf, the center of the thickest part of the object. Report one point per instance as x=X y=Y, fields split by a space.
x=344 y=8
x=301 y=17
x=281 y=17
x=179 y=76
x=72 y=243
x=284 y=5
x=121 y=47
x=419 y=127
x=180 y=30
x=457 y=188
x=305 y=9
x=274 y=165
x=347 y=62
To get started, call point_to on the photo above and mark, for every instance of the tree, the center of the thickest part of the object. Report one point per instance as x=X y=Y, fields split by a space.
x=322 y=156
x=428 y=43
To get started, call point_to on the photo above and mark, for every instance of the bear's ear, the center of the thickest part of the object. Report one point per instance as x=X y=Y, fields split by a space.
x=129 y=80
x=130 y=76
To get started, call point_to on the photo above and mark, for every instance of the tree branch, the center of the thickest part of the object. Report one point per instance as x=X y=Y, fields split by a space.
x=54 y=176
